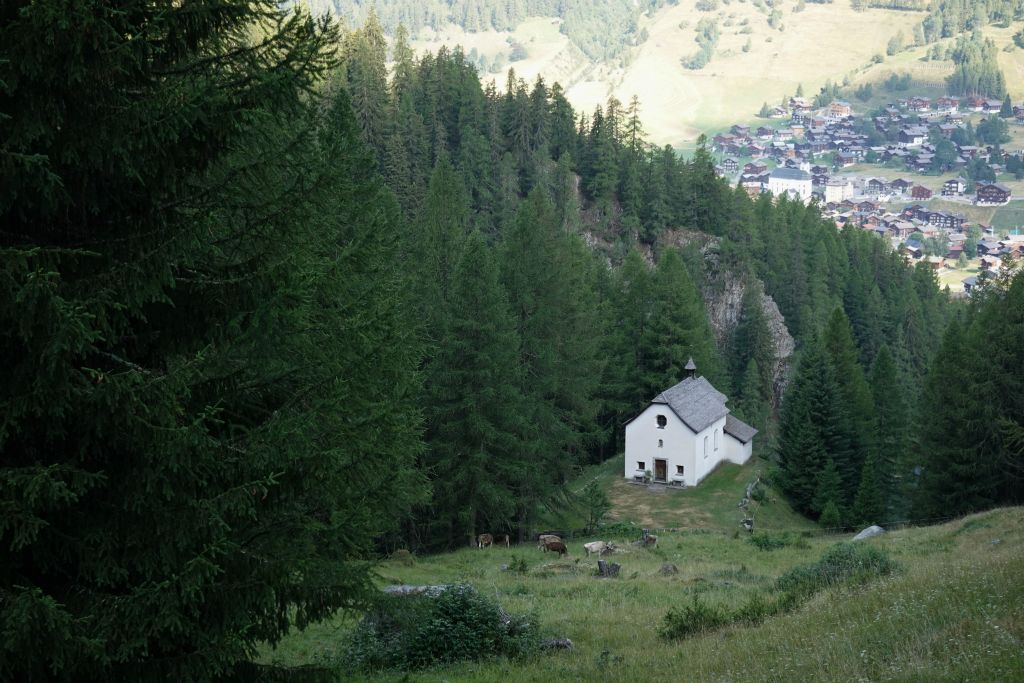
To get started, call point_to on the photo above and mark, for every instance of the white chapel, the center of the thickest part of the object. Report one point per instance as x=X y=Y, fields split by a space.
x=684 y=433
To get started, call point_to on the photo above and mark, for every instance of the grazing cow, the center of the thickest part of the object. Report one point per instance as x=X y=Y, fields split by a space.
x=598 y=548
x=503 y=539
x=556 y=546
x=542 y=541
x=650 y=541
x=484 y=541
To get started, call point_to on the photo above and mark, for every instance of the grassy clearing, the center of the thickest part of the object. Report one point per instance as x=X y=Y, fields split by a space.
x=1009 y=217
x=953 y=611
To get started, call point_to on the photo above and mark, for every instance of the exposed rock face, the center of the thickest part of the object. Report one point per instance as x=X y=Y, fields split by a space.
x=723 y=298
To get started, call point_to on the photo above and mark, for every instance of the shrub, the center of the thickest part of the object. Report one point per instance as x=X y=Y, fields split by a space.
x=843 y=562
x=452 y=624
x=768 y=542
x=692 y=619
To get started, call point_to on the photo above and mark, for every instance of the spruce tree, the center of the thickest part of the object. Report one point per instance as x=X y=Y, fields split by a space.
x=810 y=428
x=752 y=341
x=891 y=434
x=954 y=422
x=207 y=409
x=829 y=494
x=854 y=401
x=551 y=292
x=473 y=402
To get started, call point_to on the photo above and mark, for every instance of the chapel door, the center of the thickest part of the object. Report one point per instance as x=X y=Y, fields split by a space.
x=660 y=469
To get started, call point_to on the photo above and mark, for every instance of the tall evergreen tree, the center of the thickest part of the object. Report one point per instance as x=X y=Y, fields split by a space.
x=207 y=410
x=473 y=402
x=954 y=423
x=891 y=435
x=854 y=401
x=810 y=428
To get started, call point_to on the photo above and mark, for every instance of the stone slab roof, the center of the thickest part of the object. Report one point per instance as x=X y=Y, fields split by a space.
x=739 y=429
x=696 y=402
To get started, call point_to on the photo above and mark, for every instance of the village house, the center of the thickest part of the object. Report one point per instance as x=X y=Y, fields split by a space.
x=790 y=181
x=948 y=104
x=992 y=194
x=730 y=165
x=900 y=186
x=684 y=433
x=954 y=187
x=920 y=192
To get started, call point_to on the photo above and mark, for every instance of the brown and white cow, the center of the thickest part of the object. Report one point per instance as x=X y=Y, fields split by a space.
x=542 y=541
x=503 y=539
x=484 y=541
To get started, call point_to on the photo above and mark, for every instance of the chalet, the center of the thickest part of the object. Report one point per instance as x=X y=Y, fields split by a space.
x=992 y=194
x=945 y=219
x=969 y=151
x=765 y=133
x=948 y=104
x=919 y=104
x=867 y=207
x=741 y=130
x=900 y=185
x=902 y=229
x=914 y=248
x=837 y=111
x=955 y=251
x=754 y=169
x=986 y=247
x=970 y=283
x=976 y=103
x=779 y=113
x=993 y=106
x=954 y=187
x=922 y=162
x=936 y=262
x=875 y=187
x=946 y=130
x=800 y=104
x=730 y=165
x=844 y=159
x=912 y=136
x=684 y=433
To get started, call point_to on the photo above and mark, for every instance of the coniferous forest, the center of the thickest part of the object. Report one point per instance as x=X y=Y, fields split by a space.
x=272 y=306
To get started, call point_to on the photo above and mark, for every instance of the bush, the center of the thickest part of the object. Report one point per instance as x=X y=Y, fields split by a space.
x=844 y=562
x=765 y=541
x=696 y=618
x=450 y=625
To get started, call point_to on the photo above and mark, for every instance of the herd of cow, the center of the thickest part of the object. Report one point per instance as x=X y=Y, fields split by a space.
x=552 y=543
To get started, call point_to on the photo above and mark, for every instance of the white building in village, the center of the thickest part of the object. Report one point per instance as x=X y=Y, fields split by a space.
x=685 y=433
x=792 y=181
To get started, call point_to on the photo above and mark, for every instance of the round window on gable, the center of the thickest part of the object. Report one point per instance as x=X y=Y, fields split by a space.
x=662 y=421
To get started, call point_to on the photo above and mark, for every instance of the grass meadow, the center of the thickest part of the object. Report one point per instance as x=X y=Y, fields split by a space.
x=954 y=611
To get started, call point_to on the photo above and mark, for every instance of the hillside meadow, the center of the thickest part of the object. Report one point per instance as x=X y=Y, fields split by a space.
x=813 y=45
x=951 y=611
